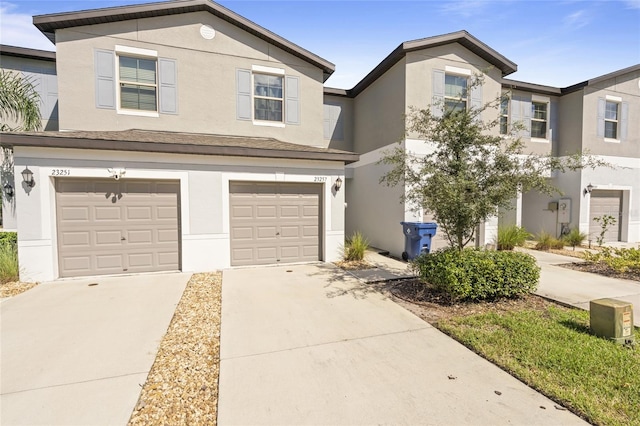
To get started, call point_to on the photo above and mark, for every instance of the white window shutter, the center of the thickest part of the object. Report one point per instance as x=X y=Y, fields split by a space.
x=624 y=120
x=105 y=79
x=168 y=79
x=243 y=88
x=437 y=97
x=292 y=95
x=600 y=121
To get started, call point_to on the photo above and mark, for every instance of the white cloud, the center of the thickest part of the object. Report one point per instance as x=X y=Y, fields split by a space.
x=633 y=4
x=577 y=20
x=18 y=29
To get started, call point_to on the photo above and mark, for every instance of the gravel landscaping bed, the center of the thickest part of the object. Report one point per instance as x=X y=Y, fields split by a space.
x=182 y=386
x=14 y=288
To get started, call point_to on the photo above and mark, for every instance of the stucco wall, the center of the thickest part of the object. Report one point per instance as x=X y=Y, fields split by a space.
x=206 y=73
x=347 y=117
x=570 y=124
x=204 y=199
x=379 y=111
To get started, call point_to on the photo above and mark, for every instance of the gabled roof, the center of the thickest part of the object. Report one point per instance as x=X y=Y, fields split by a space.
x=460 y=37
x=602 y=78
x=23 y=52
x=176 y=143
x=48 y=24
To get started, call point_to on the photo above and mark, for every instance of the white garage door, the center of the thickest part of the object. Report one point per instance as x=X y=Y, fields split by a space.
x=274 y=223
x=605 y=203
x=114 y=227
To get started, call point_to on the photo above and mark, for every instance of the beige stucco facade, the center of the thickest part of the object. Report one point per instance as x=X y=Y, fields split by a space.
x=206 y=77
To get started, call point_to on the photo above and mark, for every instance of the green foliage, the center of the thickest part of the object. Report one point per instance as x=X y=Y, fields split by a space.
x=473 y=274
x=9 y=270
x=511 y=236
x=575 y=238
x=605 y=222
x=619 y=259
x=9 y=238
x=552 y=350
x=470 y=172
x=547 y=241
x=19 y=103
x=355 y=247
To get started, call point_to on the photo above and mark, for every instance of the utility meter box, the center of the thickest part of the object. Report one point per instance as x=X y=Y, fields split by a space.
x=612 y=319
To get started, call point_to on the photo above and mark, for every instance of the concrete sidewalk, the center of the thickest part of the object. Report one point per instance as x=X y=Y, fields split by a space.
x=74 y=353
x=310 y=344
x=577 y=288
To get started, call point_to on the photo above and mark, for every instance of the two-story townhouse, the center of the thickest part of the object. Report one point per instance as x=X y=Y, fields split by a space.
x=189 y=140
x=593 y=116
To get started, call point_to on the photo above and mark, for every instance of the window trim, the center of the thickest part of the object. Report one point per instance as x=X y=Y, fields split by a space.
x=618 y=104
x=137 y=53
x=277 y=72
x=467 y=98
x=538 y=120
x=507 y=115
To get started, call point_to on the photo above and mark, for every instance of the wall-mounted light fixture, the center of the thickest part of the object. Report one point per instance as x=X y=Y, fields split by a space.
x=338 y=184
x=8 y=189
x=588 y=189
x=27 y=177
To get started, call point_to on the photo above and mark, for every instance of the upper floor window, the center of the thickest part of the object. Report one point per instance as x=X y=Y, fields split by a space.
x=455 y=92
x=138 y=83
x=611 y=120
x=504 y=116
x=268 y=97
x=539 y=120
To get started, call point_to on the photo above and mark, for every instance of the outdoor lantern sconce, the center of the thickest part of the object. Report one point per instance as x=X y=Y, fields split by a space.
x=27 y=177
x=8 y=189
x=588 y=189
x=338 y=184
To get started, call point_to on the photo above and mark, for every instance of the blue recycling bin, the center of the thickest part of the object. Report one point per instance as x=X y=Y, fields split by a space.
x=417 y=238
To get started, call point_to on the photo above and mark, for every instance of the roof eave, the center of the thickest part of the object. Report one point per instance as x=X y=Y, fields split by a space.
x=48 y=24
x=23 y=52
x=44 y=141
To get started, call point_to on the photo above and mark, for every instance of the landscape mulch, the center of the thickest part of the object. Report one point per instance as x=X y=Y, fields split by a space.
x=14 y=288
x=603 y=269
x=182 y=386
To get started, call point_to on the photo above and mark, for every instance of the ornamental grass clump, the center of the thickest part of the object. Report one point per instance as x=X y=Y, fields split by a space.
x=9 y=269
x=547 y=241
x=355 y=247
x=510 y=237
x=575 y=238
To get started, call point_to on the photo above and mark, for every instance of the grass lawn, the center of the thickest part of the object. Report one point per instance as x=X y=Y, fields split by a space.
x=552 y=351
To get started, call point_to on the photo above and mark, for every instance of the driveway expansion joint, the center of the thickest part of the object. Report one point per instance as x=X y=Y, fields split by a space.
x=75 y=383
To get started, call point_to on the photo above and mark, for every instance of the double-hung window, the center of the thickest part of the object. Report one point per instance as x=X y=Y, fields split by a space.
x=138 y=83
x=504 y=116
x=611 y=120
x=539 y=120
x=268 y=97
x=455 y=92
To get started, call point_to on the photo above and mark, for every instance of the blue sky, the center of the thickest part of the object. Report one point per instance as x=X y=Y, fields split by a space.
x=555 y=42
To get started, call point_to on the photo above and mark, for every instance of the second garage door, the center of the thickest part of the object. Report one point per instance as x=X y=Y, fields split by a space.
x=114 y=227
x=605 y=202
x=274 y=223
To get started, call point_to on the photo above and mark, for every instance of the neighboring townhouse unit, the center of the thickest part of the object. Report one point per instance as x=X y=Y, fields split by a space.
x=596 y=115
x=190 y=139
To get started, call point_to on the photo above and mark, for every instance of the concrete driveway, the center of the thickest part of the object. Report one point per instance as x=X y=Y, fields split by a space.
x=76 y=353
x=307 y=344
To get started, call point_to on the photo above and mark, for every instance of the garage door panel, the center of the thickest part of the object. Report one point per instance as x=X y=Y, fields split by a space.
x=280 y=216
x=127 y=223
x=74 y=213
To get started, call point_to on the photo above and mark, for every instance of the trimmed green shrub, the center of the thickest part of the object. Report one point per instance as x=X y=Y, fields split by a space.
x=547 y=241
x=575 y=238
x=355 y=247
x=9 y=270
x=10 y=238
x=475 y=274
x=511 y=236
x=619 y=259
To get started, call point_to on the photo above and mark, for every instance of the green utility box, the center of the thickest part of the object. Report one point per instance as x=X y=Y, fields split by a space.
x=612 y=319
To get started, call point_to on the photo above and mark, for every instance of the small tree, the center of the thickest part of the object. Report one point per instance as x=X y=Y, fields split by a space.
x=605 y=222
x=470 y=173
x=19 y=103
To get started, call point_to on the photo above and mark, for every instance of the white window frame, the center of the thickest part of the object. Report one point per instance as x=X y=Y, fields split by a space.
x=617 y=102
x=135 y=52
x=506 y=115
x=539 y=120
x=270 y=71
x=460 y=73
